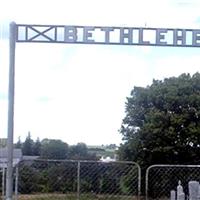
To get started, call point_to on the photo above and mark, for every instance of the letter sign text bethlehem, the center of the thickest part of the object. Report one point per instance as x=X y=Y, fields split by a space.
x=132 y=36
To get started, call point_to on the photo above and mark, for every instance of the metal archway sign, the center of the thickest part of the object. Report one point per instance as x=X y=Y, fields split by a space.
x=108 y=35
x=143 y=36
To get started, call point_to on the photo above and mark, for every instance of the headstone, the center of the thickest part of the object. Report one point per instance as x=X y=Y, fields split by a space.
x=198 y=197
x=180 y=193
x=179 y=188
x=173 y=195
x=193 y=190
x=181 y=196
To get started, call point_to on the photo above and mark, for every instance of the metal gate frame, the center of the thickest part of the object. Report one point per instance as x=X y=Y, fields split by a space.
x=162 y=166
x=42 y=31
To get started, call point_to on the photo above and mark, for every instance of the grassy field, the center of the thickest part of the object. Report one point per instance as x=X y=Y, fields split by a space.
x=102 y=151
x=73 y=197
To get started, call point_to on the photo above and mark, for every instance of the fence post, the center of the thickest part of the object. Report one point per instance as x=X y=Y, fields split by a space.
x=3 y=183
x=78 y=180
x=139 y=179
x=16 y=183
x=11 y=90
x=146 y=182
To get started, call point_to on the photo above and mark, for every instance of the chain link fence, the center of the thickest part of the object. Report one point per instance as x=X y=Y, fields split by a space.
x=91 y=180
x=2 y=182
x=161 y=179
x=77 y=180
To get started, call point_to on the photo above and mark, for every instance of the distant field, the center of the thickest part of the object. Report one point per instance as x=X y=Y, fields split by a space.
x=102 y=151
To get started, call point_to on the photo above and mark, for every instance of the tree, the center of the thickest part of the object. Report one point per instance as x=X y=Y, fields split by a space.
x=37 y=147
x=80 y=152
x=18 y=144
x=162 y=122
x=54 y=149
x=29 y=179
x=27 y=147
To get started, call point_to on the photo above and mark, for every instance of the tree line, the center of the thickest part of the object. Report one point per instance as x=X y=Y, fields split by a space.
x=54 y=149
x=162 y=124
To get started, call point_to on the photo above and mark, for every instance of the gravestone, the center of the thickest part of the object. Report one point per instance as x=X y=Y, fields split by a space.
x=180 y=193
x=193 y=190
x=173 y=195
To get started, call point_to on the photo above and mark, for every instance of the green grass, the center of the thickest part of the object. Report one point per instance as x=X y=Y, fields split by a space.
x=73 y=197
x=45 y=197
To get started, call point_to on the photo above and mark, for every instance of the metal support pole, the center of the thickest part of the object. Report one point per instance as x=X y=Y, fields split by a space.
x=3 y=183
x=78 y=180
x=9 y=174
x=16 y=182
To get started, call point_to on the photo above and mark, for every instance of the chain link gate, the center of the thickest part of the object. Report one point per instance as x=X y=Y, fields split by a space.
x=78 y=180
x=161 y=179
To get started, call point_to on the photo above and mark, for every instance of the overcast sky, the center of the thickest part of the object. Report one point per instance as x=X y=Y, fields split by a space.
x=77 y=93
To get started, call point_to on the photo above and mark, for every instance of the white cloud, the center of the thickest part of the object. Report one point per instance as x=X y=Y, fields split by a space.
x=77 y=93
x=174 y=65
x=88 y=12
x=82 y=97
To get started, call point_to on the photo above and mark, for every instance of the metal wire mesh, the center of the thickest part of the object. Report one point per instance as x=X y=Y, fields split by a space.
x=109 y=180
x=2 y=183
x=82 y=180
x=161 y=179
